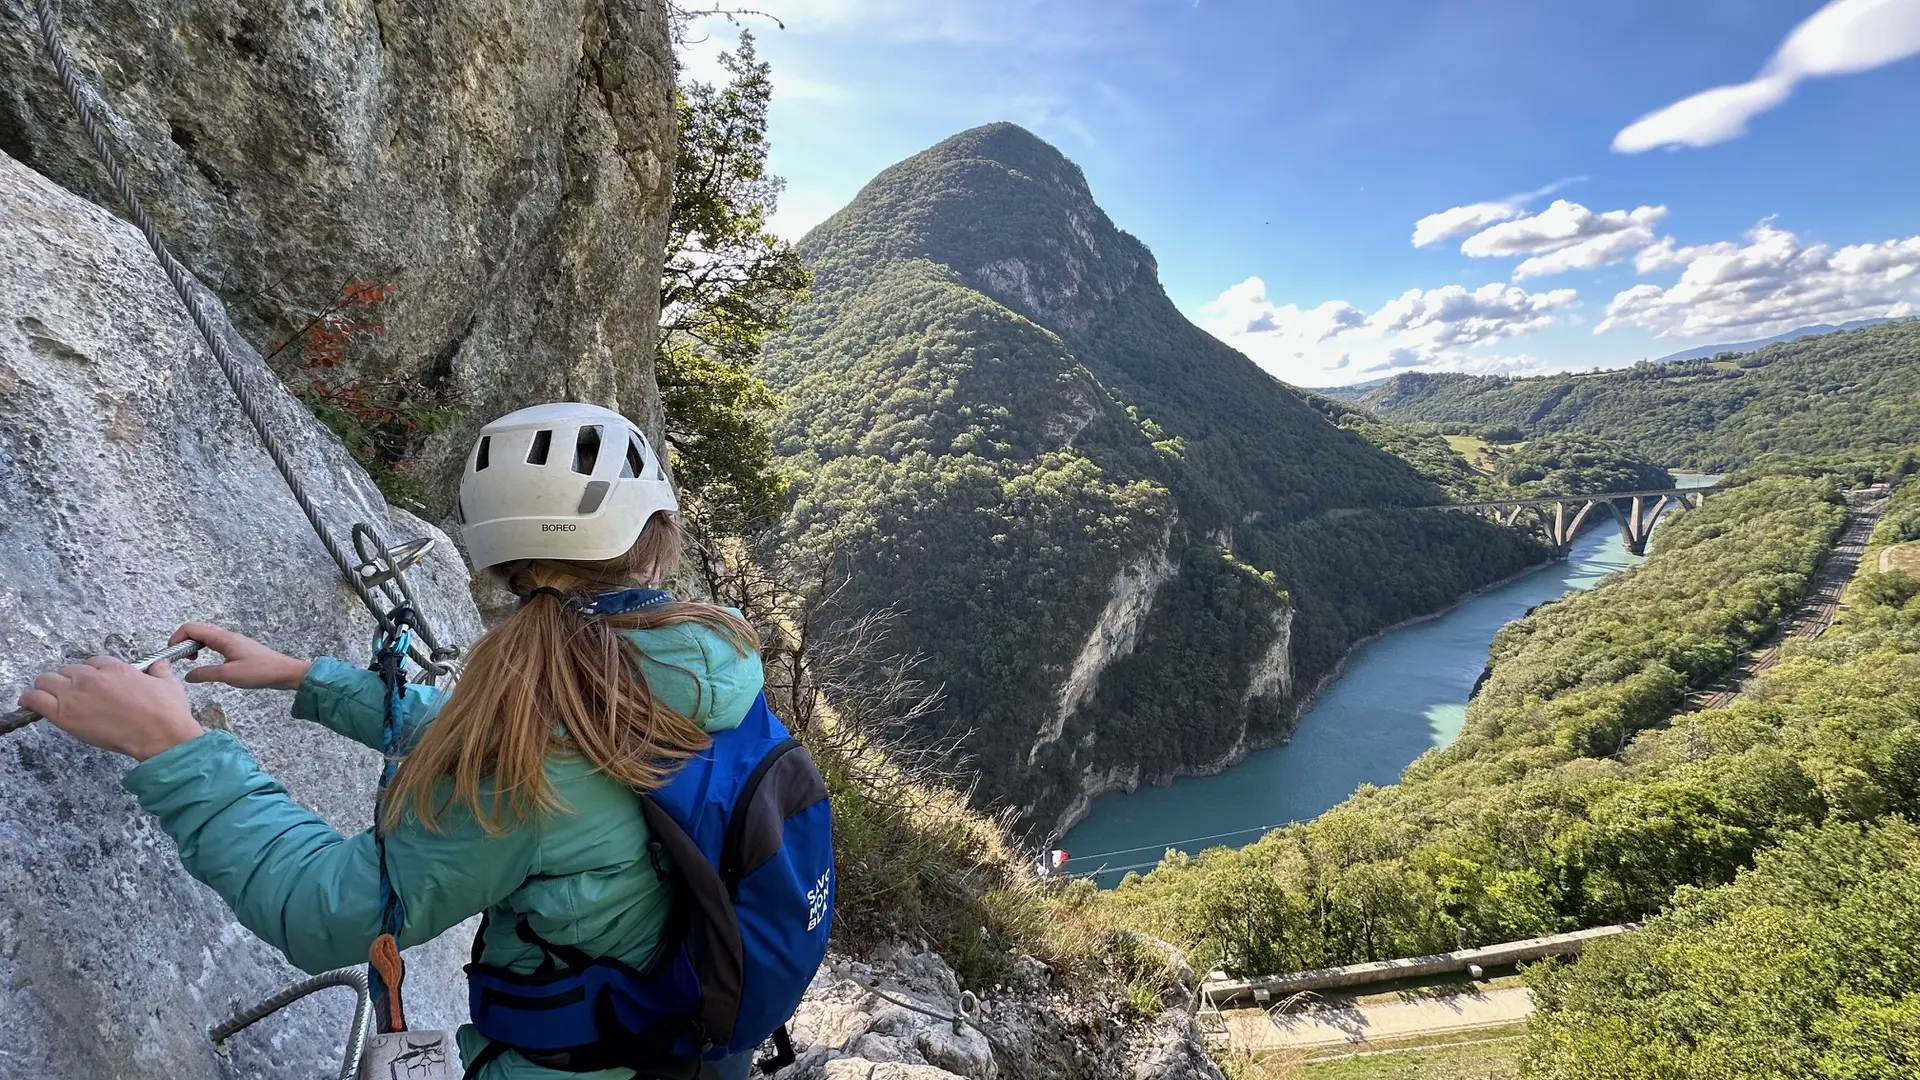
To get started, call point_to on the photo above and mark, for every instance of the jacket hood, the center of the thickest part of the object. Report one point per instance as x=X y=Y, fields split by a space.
x=695 y=671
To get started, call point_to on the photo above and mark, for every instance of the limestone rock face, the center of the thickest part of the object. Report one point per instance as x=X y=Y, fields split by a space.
x=845 y=1031
x=134 y=496
x=1027 y=1028
x=505 y=165
x=1174 y=1052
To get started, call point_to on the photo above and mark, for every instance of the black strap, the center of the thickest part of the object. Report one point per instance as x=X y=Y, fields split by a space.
x=714 y=931
x=483 y=1059
x=783 y=1055
x=480 y=938
x=571 y=955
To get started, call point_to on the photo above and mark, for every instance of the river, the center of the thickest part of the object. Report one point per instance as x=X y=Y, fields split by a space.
x=1399 y=697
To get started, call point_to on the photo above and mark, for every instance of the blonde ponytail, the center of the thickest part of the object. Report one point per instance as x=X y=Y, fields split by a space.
x=552 y=681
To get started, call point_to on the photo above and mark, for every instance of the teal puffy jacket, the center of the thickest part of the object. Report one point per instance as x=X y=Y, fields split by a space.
x=582 y=876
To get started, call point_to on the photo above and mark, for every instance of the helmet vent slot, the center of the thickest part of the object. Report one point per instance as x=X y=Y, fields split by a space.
x=542 y=442
x=635 y=463
x=480 y=455
x=595 y=494
x=586 y=449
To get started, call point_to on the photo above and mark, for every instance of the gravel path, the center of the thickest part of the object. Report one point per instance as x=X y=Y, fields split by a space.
x=1379 y=1022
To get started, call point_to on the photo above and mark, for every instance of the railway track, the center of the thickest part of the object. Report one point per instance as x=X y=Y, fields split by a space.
x=1815 y=613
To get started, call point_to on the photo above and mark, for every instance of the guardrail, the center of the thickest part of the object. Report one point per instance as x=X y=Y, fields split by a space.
x=1219 y=990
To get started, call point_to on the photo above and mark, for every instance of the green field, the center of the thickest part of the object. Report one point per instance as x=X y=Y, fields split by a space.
x=1473 y=448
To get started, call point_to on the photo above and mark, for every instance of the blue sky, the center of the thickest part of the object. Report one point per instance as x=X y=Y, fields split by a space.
x=1592 y=182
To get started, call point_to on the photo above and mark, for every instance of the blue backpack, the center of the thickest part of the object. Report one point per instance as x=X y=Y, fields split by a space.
x=748 y=835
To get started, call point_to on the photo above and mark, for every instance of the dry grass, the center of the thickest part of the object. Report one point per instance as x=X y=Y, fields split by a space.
x=916 y=863
x=1903 y=557
x=1474 y=449
x=1274 y=1065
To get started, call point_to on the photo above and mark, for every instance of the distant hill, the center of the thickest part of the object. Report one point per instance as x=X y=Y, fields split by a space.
x=1351 y=392
x=1109 y=533
x=1845 y=392
x=1749 y=346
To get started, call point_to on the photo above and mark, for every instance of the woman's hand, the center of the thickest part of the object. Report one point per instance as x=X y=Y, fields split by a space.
x=108 y=704
x=248 y=664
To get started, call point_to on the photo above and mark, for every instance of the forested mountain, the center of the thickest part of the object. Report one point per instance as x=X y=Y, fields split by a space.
x=1858 y=390
x=1552 y=464
x=1113 y=537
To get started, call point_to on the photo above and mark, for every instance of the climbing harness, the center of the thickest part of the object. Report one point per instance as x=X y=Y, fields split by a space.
x=376 y=572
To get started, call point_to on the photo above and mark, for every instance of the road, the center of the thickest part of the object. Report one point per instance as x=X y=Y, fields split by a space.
x=1369 y=1025
x=1815 y=613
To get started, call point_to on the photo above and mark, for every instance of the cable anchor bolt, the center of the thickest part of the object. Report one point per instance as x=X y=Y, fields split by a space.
x=396 y=560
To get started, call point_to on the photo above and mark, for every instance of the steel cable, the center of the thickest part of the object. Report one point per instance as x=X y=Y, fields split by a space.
x=353 y=977
x=187 y=288
x=182 y=279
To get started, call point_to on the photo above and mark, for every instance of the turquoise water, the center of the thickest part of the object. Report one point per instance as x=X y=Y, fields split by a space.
x=1399 y=697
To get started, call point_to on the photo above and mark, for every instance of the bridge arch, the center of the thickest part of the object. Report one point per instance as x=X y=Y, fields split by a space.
x=1562 y=516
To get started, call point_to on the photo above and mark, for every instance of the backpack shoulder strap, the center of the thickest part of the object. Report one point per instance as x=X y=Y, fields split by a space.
x=714 y=936
x=784 y=783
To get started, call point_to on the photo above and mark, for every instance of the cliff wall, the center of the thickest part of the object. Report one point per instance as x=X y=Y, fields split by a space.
x=505 y=166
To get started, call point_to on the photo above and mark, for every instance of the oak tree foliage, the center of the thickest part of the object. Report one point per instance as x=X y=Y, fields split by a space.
x=727 y=283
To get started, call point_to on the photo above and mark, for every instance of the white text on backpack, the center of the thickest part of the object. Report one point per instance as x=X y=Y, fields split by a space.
x=817 y=899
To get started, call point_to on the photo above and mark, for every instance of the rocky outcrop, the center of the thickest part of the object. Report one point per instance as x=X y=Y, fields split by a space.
x=845 y=1028
x=134 y=496
x=1129 y=600
x=1272 y=674
x=1093 y=783
x=504 y=165
x=889 y=1017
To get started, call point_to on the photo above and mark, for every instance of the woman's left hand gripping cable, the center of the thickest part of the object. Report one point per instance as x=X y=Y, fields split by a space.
x=114 y=706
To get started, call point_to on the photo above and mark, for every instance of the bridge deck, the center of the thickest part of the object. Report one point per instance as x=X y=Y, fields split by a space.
x=1551 y=500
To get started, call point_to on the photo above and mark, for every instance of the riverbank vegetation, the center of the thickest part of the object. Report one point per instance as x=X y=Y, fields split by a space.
x=1547 y=813
x=1807 y=965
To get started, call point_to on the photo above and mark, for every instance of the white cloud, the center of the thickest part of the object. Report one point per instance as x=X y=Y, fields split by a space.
x=1842 y=38
x=1665 y=256
x=1436 y=328
x=1771 y=284
x=1561 y=224
x=1589 y=254
x=1451 y=316
x=1460 y=220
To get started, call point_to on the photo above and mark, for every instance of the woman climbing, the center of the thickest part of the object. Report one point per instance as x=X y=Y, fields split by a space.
x=605 y=784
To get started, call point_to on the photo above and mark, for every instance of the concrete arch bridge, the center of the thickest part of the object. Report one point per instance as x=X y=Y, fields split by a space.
x=1561 y=516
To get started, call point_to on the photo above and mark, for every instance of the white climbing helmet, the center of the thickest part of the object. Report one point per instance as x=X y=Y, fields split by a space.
x=565 y=481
